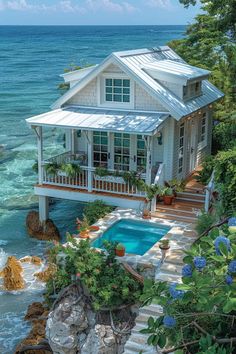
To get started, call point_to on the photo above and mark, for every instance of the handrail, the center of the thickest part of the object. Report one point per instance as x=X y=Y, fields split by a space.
x=158 y=180
x=209 y=192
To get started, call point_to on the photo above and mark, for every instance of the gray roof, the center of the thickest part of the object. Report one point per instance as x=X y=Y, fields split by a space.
x=101 y=120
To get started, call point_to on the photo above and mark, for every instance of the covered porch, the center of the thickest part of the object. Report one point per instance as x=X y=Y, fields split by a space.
x=101 y=146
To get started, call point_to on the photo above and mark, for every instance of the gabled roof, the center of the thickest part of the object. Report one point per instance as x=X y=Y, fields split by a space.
x=133 y=64
x=96 y=119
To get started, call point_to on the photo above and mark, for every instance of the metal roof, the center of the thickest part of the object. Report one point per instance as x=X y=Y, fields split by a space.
x=132 y=63
x=181 y=71
x=100 y=120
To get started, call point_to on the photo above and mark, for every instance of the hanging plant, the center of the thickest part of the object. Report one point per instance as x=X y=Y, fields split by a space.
x=102 y=172
x=52 y=168
x=71 y=169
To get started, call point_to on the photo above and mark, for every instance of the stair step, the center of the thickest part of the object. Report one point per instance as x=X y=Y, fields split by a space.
x=175 y=217
x=161 y=209
x=189 y=199
x=192 y=193
x=171 y=268
x=151 y=310
x=130 y=345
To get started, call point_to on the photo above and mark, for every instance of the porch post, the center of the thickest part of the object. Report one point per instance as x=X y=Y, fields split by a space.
x=73 y=140
x=90 y=160
x=149 y=143
x=43 y=208
x=39 y=132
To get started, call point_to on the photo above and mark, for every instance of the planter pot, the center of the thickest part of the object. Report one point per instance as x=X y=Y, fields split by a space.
x=164 y=248
x=84 y=234
x=168 y=199
x=120 y=253
x=146 y=217
x=94 y=228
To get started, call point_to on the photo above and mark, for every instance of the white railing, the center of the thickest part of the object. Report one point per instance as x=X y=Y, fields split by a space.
x=209 y=192
x=159 y=180
x=79 y=180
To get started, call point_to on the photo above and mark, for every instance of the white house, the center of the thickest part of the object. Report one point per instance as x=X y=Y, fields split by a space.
x=142 y=110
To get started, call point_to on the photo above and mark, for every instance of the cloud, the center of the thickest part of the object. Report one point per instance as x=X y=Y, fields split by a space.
x=111 y=6
x=25 y=5
x=165 y=4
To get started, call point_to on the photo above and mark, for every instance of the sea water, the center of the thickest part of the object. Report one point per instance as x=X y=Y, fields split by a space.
x=31 y=59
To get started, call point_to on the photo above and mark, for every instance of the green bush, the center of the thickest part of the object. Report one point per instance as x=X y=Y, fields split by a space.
x=96 y=210
x=207 y=168
x=204 y=222
x=224 y=133
x=106 y=281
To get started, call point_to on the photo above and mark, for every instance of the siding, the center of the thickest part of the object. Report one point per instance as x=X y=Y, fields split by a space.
x=143 y=101
x=176 y=149
x=113 y=69
x=168 y=141
x=87 y=96
x=177 y=89
x=201 y=153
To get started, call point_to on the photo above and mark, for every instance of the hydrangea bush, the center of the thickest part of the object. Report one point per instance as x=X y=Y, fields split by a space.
x=199 y=315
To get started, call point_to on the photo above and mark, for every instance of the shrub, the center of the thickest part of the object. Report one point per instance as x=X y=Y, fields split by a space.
x=207 y=168
x=96 y=210
x=224 y=133
x=198 y=314
x=204 y=222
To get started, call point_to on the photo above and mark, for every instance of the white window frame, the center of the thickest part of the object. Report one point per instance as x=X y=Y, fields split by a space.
x=189 y=90
x=203 y=143
x=101 y=91
x=181 y=148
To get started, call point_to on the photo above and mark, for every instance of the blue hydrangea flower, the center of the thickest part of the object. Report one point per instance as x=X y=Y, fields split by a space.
x=169 y=321
x=199 y=262
x=219 y=240
x=187 y=270
x=175 y=293
x=228 y=279
x=232 y=267
x=232 y=221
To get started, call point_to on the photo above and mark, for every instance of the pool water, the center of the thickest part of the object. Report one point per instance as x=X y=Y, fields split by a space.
x=137 y=236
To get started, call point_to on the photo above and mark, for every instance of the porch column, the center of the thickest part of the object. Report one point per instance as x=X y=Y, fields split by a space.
x=39 y=132
x=43 y=208
x=73 y=141
x=89 y=135
x=149 y=144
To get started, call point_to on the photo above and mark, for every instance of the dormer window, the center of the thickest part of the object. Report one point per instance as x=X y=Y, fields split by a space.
x=117 y=90
x=192 y=90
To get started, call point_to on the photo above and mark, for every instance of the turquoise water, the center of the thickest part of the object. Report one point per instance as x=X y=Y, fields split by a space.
x=137 y=236
x=31 y=59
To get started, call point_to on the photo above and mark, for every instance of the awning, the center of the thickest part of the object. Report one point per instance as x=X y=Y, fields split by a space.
x=82 y=118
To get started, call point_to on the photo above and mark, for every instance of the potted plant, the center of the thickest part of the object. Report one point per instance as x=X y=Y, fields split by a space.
x=168 y=195
x=176 y=185
x=52 y=168
x=83 y=228
x=146 y=214
x=120 y=250
x=70 y=169
x=164 y=245
x=94 y=228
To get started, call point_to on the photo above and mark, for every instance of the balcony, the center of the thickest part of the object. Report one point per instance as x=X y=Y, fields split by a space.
x=86 y=177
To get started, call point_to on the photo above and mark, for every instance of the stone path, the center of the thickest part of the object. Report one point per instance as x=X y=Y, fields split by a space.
x=170 y=271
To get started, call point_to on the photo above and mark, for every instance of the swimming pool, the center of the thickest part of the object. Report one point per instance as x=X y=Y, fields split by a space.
x=137 y=236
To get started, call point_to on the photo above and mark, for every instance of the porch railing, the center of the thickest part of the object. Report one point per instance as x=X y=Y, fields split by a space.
x=159 y=179
x=87 y=179
x=209 y=192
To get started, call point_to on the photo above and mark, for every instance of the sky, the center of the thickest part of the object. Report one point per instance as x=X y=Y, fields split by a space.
x=95 y=12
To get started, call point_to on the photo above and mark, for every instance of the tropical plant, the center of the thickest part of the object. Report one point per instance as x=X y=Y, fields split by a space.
x=166 y=191
x=96 y=210
x=176 y=185
x=35 y=167
x=120 y=246
x=52 y=168
x=102 y=172
x=204 y=175
x=198 y=314
x=71 y=169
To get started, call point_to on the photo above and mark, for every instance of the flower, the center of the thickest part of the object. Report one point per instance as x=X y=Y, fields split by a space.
x=228 y=279
x=187 y=270
x=175 y=293
x=232 y=267
x=169 y=321
x=221 y=240
x=199 y=262
x=78 y=275
x=232 y=221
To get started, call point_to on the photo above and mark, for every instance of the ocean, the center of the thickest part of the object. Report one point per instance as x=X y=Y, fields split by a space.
x=31 y=59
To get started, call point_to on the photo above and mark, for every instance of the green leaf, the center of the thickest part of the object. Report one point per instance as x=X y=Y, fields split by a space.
x=183 y=287
x=230 y=305
x=161 y=341
x=151 y=322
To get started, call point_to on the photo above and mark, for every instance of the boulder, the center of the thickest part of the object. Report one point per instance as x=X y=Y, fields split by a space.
x=12 y=275
x=35 y=310
x=42 y=231
x=47 y=274
x=100 y=340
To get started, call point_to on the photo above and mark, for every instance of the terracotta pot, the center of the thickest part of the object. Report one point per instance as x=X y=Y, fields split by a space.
x=164 y=248
x=168 y=199
x=94 y=228
x=146 y=217
x=120 y=253
x=84 y=234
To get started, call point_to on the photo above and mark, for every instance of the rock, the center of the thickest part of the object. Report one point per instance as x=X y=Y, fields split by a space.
x=34 y=260
x=46 y=274
x=46 y=231
x=100 y=340
x=35 y=310
x=67 y=320
x=12 y=275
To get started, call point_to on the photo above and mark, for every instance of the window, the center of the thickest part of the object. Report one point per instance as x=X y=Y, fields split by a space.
x=202 y=132
x=121 y=151
x=141 y=154
x=100 y=149
x=117 y=90
x=192 y=90
x=181 y=149
x=185 y=91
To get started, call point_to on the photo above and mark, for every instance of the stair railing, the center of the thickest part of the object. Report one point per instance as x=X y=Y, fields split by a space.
x=209 y=192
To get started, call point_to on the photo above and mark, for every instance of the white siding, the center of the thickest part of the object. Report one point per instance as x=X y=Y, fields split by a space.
x=143 y=101
x=113 y=69
x=168 y=141
x=87 y=96
x=177 y=89
x=201 y=153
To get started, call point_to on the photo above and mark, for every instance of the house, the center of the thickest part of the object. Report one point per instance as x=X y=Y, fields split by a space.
x=142 y=110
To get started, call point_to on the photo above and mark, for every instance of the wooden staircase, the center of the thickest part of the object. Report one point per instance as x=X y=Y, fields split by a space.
x=186 y=206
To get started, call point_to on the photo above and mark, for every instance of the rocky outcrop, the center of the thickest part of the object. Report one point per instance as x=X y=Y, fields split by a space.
x=71 y=327
x=12 y=275
x=35 y=310
x=46 y=274
x=32 y=259
x=46 y=231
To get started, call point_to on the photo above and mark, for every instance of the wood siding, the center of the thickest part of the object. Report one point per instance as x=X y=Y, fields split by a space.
x=87 y=96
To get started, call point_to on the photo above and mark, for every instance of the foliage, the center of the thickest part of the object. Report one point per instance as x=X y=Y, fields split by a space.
x=225 y=179
x=198 y=314
x=166 y=191
x=64 y=86
x=71 y=169
x=204 y=175
x=120 y=247
x=96 y=210
x=151 y=191
x=83 y=225
x=107 y=282
x=35 y=167
x=204 y=222
x=176 y=185
x=52 y=168
x=224 y=133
